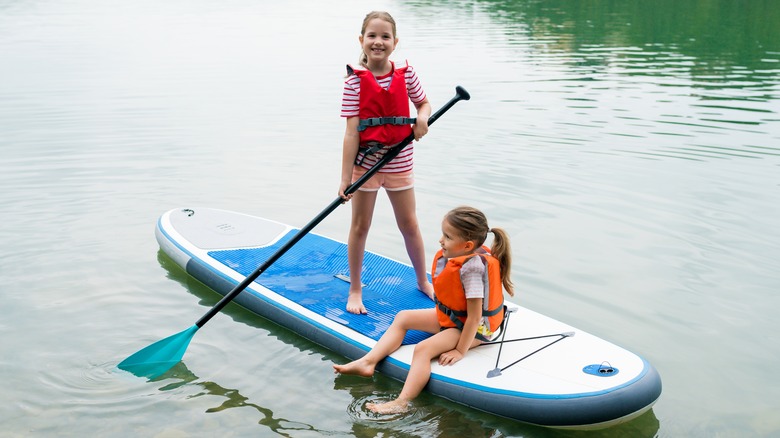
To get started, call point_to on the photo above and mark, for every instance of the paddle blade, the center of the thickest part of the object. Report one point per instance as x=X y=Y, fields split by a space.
x=159 y=357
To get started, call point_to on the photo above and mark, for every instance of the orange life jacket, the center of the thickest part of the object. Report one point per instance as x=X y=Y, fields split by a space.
x=384 y=114
x=451 y=296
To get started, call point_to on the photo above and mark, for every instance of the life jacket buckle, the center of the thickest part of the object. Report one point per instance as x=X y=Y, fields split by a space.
x=372 y=149
x=377 y=121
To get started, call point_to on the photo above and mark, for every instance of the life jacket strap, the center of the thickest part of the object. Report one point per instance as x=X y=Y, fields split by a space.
x=452 y=314
x=487 y=312
x=368 y=150
x=456 y=313
x=377 y=121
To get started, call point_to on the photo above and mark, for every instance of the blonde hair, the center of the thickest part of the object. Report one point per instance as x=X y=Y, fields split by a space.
x=382 y=15
x=472 y=225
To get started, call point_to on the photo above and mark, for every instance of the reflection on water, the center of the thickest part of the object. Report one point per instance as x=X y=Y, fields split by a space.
x=687 y=76
x=710 y=41
x=234 y=399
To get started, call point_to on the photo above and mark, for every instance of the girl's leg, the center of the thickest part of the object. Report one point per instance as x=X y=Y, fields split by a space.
x=362 y=211
x=405 y=210
x=420 y=371
x=420 y=319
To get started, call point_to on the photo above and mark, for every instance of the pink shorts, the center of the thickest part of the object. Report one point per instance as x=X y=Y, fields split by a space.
x=392 y=182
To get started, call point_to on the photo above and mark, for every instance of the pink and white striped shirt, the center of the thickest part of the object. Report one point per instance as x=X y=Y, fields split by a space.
x=350 y=108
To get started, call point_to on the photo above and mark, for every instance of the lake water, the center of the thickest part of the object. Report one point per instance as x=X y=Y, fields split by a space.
x=631 y=149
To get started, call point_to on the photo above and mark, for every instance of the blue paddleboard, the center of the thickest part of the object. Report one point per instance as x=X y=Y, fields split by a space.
x=544 y=372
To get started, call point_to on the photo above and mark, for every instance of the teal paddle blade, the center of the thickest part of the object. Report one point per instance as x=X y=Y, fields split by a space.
x=159 y=357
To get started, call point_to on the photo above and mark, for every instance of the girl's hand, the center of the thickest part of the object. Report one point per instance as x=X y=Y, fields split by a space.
x=420 y=128
x=342 y=187
x=450 y=357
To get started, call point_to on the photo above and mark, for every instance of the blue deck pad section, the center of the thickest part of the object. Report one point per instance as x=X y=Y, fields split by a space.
x=306 y=275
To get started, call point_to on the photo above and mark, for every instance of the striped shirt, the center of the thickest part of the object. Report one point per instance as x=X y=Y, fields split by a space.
x=350 y=108
x=472 y=275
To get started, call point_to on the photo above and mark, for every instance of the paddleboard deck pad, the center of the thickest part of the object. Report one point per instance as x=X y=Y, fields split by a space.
x=541 y=372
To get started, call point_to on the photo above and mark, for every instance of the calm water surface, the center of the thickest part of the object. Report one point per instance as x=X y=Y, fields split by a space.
x=632 y=149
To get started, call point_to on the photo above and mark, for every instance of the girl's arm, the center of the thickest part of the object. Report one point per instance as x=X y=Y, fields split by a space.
x=467 y=336
x=351 y=144
x=420 y=128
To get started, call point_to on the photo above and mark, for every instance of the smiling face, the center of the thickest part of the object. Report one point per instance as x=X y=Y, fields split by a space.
x=452 y=243
x=378 y=42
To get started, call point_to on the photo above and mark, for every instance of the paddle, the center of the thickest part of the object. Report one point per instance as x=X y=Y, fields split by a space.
x=159 y=357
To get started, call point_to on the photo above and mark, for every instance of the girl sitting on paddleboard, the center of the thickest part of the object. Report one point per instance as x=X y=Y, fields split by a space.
x=468 y=311
x=376 y=107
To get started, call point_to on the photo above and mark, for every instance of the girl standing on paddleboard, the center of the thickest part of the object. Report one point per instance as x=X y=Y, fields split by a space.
x=469 y=284
x=376 y=107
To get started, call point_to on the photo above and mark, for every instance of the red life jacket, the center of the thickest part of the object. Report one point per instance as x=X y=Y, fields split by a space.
x=451 y=296
x=384 y=114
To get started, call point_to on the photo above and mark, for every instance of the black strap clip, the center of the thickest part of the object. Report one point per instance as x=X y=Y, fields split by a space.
x=371 y=149
x=377 y=121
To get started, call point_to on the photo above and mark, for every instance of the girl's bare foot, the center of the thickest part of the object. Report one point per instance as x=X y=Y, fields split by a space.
x=427 y=289
x=355 y=303
x=396 y=406
x=358 y=367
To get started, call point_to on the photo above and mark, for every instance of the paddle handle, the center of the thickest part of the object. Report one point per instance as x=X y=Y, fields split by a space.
x=460 y=94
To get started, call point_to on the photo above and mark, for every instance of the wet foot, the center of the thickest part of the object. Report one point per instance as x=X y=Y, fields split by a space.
x=394 y=407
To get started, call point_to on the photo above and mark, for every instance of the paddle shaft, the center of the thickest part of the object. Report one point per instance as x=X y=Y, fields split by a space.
x=461 y=94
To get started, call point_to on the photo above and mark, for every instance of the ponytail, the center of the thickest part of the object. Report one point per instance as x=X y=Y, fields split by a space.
x=502 y=251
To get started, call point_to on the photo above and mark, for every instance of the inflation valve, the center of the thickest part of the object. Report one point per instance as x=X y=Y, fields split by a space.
x=604 y=369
